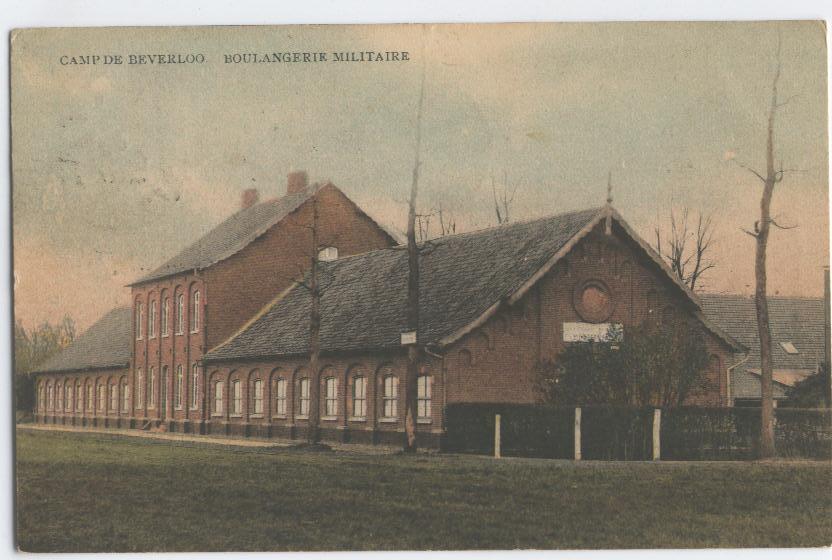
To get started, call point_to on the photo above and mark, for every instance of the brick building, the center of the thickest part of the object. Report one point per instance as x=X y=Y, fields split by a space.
x=494 y=303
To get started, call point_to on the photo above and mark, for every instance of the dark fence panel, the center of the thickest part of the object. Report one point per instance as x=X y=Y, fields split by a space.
x=526 y=430
x=698 y=433
x=805 y=433
x=616 y=433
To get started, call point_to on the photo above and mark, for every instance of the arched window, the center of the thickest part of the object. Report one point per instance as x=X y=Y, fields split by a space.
x=41 y=402
x=194 y=386
x=125 y=396
x=180 y=314
x=50 y=397
x=139 y=388
x=303 y=398
x=68 y=403
x=79 y=398
x=258 y=396
x=423 y=390
x=102 y=397
x=151 y=388
x=195 y=312
x=90 y=396
x=390 y=396
x=359 y=397
x=165 y=316
x=59 y=400
x=236 y=398
x=151 y=320
x=139 y=320
x=180 y=380
x=113 y=397
x=218 y=404
x=330 y=396
x=280 y=397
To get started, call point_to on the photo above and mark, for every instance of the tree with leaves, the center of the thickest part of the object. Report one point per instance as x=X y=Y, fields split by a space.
x=648 y=365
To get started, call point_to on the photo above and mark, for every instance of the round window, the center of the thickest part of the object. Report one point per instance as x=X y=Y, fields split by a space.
x=593 y=301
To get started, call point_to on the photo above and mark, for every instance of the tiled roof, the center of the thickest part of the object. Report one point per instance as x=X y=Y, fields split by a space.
x=106 y=344
x=363 y=307
x=795 y=320
x=232 y=235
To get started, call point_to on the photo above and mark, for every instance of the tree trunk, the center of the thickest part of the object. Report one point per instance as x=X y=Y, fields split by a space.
x=411 y=381
x=761 y=299
x=313 y=432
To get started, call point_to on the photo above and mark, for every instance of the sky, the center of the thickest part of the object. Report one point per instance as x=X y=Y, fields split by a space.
x=118 y=167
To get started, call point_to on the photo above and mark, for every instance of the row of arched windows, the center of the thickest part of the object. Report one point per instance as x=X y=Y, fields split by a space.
x=164 y=323
x=84 y=396
x=146 y=387
x=332 y=401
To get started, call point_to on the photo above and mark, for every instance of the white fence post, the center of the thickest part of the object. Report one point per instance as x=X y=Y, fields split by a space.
x=497 y=436
x=577 y=434
x=657 y=434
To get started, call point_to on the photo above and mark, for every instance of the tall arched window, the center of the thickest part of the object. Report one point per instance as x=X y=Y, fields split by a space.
x=113 y=397
x=151 y=320
x=90 y=396
x=139 y=320
x=195 y=386
x=59 y=400
x=280 y=397
x=359 y=397
x=423 y=399
x=165 y=316
x=330 y=396
x=303 y=397
x=195 y=312
x=125 y=396
x=151 y=388
x=102 y=397
x=180 y=314
x=218 y=404
x=139 y=388
x=390 y=396
x=50 y=397
x=79 y=398
x=258 y=396
x=180 y=380
x=68 y=403
x=41 y=395
x=236 y=397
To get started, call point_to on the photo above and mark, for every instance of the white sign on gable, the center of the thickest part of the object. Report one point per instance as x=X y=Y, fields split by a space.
x=589 y=332
x=408 y=338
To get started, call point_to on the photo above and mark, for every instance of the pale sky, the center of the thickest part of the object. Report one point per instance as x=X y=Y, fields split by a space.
x=116 y=168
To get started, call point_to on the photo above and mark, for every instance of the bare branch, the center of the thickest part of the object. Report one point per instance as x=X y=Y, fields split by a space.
x=747 y=168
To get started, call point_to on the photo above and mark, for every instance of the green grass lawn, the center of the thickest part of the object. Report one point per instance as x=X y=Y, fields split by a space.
x=88 y=492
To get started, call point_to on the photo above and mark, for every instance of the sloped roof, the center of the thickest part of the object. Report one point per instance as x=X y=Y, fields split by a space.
x=795 y=320
x=364 y=302
x=106 y=344
x=462 y=278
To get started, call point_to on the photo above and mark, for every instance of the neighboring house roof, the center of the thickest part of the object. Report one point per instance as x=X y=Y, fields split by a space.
x=795 y=320
x=236 y=233
x=106 y=344
x=464 y=279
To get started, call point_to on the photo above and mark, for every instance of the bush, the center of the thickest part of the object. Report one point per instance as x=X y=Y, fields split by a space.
x=803 y=433
x=698 y=433
x=616 y=433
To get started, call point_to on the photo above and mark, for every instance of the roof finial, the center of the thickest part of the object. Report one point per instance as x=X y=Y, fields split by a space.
x=609 y=188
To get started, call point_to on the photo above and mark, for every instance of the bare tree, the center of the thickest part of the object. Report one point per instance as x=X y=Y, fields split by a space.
x=762 y=228
x=503 y=199
x=687 y=249
x=447 y=221
x=411 y=385
x=314 y=287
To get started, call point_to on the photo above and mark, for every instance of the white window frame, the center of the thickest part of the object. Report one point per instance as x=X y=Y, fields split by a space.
x=218 y=398
x=125 y=397
x=280 y=397
x=69 y=398
x=180 y=314
x=102 y=397
x=359 y=398
x=114 y=397
x=151 y=387
x=423 y=397
x=330 y=398
x=303 y=398
x=236 y=398
x=139 y=321
x=59 y=398
x=258 y=397
x=195 y=311
x=139 y=388
x=151 y=320
x=90 y=397
x=79 y=398
x=180 y=384
x=390 y=398
x=50 y=397
x=194 y=387
x=165 y=326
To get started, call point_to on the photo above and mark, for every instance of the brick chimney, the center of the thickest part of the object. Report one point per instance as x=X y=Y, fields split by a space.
x=296 y=182
x=250 y=198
